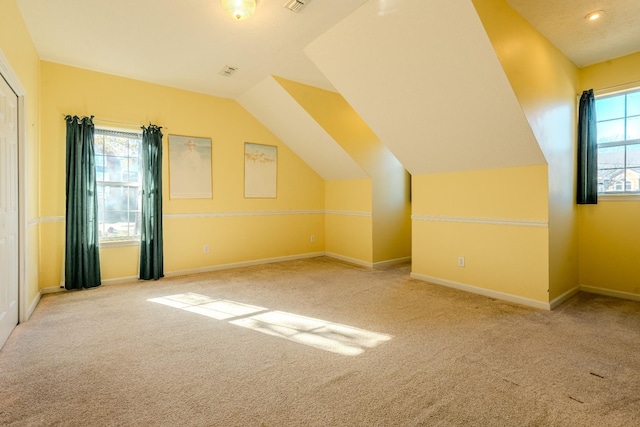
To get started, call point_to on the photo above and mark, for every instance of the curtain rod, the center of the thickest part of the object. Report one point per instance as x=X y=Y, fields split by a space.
x=116 y=122
x=621 y=86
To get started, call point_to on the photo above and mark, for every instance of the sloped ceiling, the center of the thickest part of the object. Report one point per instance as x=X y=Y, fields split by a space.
x=425 y=78
x=272 y=105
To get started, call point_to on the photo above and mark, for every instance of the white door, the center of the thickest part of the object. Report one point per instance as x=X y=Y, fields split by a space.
x=8 y=210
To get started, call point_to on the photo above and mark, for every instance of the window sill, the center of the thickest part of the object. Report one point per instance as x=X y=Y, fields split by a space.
x=118 y=243
x=621 y=197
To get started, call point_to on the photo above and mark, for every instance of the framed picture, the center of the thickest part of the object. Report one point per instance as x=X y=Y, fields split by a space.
x=260 y=170
x=189 y=167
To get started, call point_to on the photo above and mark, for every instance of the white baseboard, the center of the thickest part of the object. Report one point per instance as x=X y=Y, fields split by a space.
x=349 y=260
x=391 y=262
x=241 y=264
x=485 y=292
x=33 y=304
x=610 y=293
x=556 y=302
x=51 y=290
x=119 y=280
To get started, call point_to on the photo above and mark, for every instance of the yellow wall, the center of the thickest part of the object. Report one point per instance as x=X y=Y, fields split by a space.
x=609 y=247
x=615 y=74
x=545 y=83
x=390 y=208
x=236 y=229
x=17 y=46
x=496 y=219
x=348 y=221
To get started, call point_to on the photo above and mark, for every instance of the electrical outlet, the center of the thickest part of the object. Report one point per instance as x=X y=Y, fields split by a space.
x=313 y=238
x=460 y=261
x=205 y=249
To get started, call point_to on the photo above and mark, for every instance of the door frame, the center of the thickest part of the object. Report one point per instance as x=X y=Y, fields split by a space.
x=24 y=311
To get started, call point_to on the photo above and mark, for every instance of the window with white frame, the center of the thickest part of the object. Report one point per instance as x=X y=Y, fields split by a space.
x=618 y=122
x=119 y=184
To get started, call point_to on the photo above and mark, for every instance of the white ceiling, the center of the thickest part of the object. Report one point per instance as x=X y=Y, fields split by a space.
x=373 y=51
x=563 y=22
x=185 y=44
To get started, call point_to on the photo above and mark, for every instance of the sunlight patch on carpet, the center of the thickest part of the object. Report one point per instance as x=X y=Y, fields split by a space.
x=317 y=333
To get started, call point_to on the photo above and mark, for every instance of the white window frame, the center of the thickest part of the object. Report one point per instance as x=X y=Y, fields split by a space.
x=125 y=240
x=629 y=194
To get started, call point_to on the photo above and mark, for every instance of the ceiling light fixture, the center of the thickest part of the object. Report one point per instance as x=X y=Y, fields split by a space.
x=239 y=9
x=593 y=16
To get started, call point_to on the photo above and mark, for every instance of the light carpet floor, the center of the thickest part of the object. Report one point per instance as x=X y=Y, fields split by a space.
x=318 y=342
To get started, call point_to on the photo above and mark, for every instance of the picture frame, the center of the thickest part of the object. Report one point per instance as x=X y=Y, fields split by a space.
x=189 y=167
x=260 y=171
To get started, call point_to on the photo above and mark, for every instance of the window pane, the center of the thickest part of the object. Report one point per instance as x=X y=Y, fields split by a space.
x=633 y=127
x=633 y=156
x=134 y=223
x=134 y=198
x=116 y=146
x=134 y=148
x=611 y=157
x=116 y=169
x=99 y=160
x=633 y=104
x=610 y=179
x=633 y=175
x=98 y=144
x=132 y=175
x=610 y=108
x=611 y=131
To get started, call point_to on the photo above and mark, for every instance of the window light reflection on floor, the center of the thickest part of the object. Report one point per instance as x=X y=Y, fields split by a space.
x=316 y=333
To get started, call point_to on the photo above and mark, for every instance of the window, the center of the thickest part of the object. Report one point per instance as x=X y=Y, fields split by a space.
x=119 y=184
x=618 y=122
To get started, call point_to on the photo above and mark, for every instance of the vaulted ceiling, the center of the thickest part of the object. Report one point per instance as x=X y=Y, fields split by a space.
x=391 y=59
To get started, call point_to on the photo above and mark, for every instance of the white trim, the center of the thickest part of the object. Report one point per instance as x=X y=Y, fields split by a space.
x=610 y=293
x=489 y=221
x=34 y=304
x=348 y=213
x=619 y=197
x=240 y=214
x=118 y=243
x=51 y=219
x=241 y=264
x=204 y=215
x=52 y=289
x=11 y=77
x=119 y=280
x=391 y=262
x=349 y=260
x=485 y=292
x=556 y=302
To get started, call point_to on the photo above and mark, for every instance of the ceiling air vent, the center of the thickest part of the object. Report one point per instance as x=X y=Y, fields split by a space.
x=296 y=5
x=228 y=71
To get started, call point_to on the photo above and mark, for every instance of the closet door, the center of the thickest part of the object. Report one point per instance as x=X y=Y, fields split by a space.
x=8 y=210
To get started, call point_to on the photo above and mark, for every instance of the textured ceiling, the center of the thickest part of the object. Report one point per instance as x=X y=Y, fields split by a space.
x=616 y=34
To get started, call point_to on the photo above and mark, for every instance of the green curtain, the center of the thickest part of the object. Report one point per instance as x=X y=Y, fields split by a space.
x=587 y=193
x=151 y=245
x=82 y=256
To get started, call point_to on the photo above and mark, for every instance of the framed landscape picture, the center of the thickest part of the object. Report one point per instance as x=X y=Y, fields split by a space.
x=260 y=170
x=189 y=167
